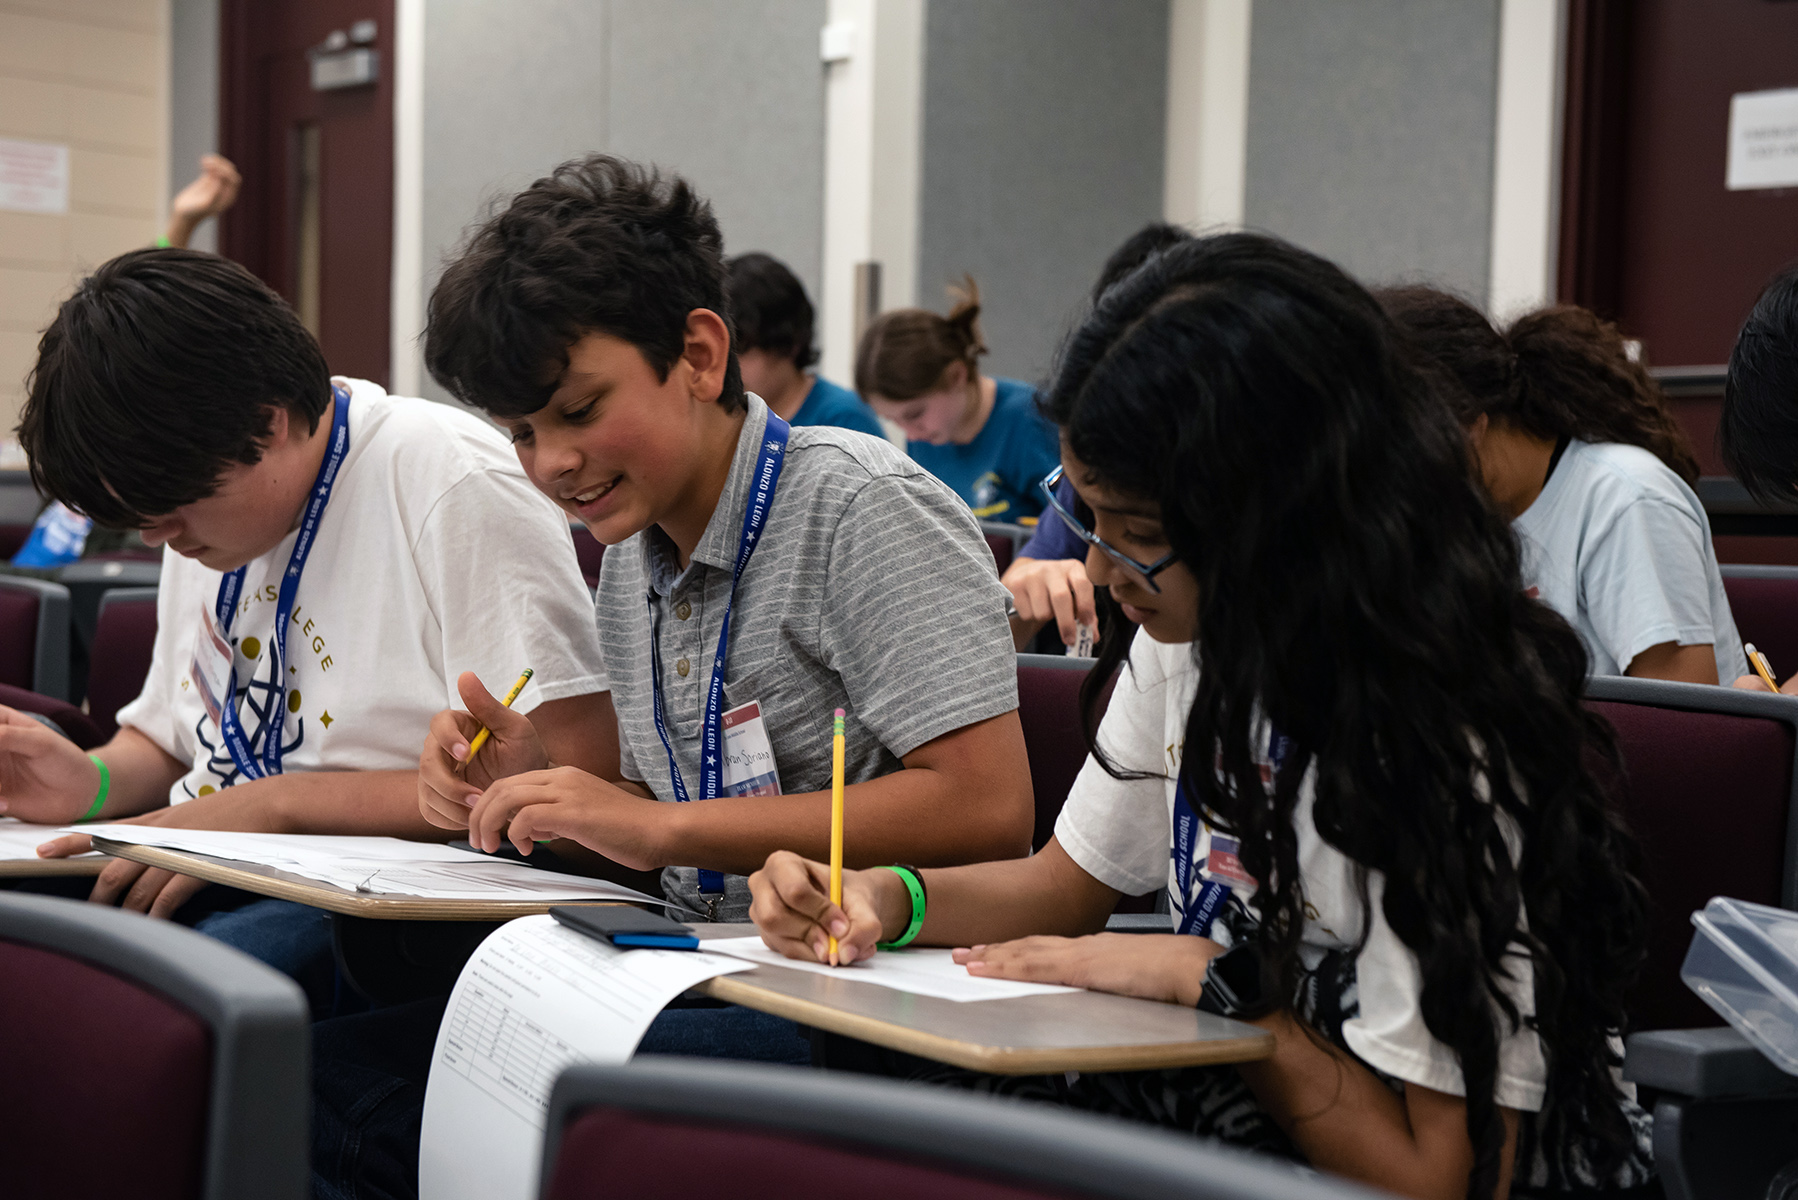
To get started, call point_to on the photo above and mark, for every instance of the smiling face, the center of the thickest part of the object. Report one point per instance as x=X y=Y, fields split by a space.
x=254 y=507
x=617 y=447
x=1131 y=524
x=936 y=417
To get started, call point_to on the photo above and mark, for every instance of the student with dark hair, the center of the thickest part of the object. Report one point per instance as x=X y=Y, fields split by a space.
x=1577 y=448
x=1047 y=580
x=772 y=320
x=1360 y=745
x=333 y=560
x=800 y=570
x=982 y=436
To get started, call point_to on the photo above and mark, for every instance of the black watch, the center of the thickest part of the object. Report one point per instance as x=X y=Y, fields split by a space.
x=1236 y=983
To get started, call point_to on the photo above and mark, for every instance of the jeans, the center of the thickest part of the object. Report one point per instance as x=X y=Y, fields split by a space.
x=292 y=938
x=369 y=1072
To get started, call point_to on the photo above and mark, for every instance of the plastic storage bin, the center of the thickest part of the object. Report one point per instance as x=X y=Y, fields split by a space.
x=1744 y=963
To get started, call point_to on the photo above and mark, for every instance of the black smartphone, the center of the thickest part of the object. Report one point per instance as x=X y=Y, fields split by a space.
x=626 y=927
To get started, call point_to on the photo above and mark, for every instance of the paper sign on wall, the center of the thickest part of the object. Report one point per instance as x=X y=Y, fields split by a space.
x=34 y=177
x=1763 y=140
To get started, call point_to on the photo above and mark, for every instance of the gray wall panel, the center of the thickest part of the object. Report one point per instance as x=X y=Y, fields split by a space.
x=730 y=93
x=1370 y=133
x=193 y=97
x=1043 y=141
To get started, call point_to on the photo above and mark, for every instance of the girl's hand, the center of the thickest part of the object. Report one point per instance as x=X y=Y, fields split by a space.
x=1154 y=966
x=790 y=904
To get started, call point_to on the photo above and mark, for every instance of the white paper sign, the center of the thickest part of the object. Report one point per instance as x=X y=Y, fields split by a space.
x=1763 y=140
x=34 y=177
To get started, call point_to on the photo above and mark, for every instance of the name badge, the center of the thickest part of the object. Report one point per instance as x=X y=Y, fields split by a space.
x=211 y=668
x=748 y=755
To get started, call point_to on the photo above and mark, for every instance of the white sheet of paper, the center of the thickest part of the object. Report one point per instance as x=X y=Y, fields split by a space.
x=922 y=972
x=535 y=998
x=21 y=840
x=379 y=865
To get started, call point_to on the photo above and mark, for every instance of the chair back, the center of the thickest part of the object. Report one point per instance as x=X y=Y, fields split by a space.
x=672 y=1128
x=1708 y=788
x=70 y=721
x=119 y=660
x=161 y=1064
x=34 y=635
x=1004 y=541
x=1764 y=602
x=588 y=550
x=1049 y=710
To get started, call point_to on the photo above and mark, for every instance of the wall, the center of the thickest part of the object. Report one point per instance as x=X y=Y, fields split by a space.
x=1043 y=140
x=193 y=98
x=727 y=92
x=90 y=74
x=1370 y=134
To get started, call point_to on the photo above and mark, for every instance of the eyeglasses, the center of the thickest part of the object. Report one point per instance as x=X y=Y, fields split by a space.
x=1144 y=571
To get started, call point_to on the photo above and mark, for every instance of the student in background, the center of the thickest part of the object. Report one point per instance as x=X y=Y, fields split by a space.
x=867 y=588
x=981 y=436
x=772 y=317
x=176 y=394
x=1577 y=448
x=1047 y=580
x=1759 y=430
x=211 y=194
x=1439 y=933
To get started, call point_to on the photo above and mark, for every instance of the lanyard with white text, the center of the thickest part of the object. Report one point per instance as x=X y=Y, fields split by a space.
x=231 y=586
x=1194 y=914
x=711 y=761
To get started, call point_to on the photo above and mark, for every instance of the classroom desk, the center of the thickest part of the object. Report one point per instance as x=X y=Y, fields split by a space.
x=1030 y=1035
x=40 y=868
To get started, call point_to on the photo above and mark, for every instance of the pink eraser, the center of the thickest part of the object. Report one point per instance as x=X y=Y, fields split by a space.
x=839 y=712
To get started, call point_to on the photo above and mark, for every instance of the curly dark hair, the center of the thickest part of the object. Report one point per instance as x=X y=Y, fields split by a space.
x=1357 y=590
x=1759 y=429
x=600 y=245
x=1558 y=372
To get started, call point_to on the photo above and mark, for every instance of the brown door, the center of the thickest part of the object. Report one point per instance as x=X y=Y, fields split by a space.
x=315 y=217
x=1650 y=235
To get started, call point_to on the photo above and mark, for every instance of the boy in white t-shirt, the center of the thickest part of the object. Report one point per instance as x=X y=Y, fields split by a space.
x=177 y=394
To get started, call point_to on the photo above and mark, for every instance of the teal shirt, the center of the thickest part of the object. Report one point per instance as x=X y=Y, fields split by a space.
x=998 y=471
x=829 y=404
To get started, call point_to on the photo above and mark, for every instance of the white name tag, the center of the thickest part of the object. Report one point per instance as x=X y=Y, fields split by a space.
x=748 y=755
x=211 y=667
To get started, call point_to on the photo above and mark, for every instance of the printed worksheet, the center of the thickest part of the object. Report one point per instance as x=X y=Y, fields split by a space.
x=18 y=839
x=921 y=972
x=535 y=998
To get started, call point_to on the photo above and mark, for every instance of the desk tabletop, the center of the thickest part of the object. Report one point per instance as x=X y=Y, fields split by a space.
x=1028 y=1035
x=285 y=885
x=39 y=868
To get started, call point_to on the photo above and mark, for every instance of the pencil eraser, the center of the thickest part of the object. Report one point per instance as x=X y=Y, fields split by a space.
x=839 y=714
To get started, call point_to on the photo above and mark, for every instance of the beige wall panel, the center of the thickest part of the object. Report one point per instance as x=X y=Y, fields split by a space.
x=28 y=298
x=96 y=237
x=122 y=185
x=113 y=120
x=32 y=46
x=33 y=109
x=117 y=58
x=18 y=351
x=147 y=16
x=31 y=238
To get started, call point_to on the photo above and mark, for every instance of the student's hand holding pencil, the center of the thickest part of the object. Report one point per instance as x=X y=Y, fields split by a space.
x=790 y=905
x=450 y=779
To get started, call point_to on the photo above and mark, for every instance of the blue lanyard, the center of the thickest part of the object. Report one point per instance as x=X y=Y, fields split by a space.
x=711 y=761
x=1195 y=913
x=231 y=586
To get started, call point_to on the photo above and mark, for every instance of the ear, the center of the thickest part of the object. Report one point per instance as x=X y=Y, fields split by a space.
x=280 y=424
x=706 y=352
x=1476 y=432
x=955 y=376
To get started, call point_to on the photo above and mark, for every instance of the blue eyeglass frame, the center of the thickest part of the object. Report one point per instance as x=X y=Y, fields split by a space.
x=1147 y=571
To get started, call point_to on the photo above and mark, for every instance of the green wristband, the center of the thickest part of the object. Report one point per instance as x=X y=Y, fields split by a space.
x=163 y=243
x=914 y=884
x=99 y=800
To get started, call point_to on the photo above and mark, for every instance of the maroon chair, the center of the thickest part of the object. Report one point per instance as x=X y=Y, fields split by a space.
x=119 y=659
x=671 y=1129
x=34 y=635
x=145 y=1060
x=13 y=537
x=1708 y=788
x=588 y=550
x=1764 y=601
x=68 y=720
x=1004 y=541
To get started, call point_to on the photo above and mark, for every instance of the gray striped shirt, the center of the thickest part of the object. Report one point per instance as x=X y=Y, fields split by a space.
x=871 y=589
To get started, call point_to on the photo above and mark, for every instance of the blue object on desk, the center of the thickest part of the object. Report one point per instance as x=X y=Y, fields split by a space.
x=655 y=941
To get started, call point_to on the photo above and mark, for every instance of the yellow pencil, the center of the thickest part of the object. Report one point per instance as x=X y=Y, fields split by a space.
x=480 y=739
x=1762 y=667
x=836 y=821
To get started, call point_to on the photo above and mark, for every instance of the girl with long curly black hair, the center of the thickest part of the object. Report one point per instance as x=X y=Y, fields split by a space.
x=1363 y=743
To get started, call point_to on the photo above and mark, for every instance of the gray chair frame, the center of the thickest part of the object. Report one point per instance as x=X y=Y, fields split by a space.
x=1756 y=571
x=124 y=595
x=50 y=655
x=1018 y=535
x=1700 y=697
x=1034 y=1144
x=257 y=1106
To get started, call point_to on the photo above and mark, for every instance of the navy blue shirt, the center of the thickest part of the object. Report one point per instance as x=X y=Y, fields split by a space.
x=1053 y=537
x=831 y=404
x=998 y=471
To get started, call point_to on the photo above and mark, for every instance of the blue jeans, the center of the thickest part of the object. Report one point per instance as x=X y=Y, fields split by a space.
x=369 y=1072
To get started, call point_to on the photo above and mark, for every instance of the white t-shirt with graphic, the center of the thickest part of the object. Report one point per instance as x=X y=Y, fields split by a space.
x=1120 y=832
x=434 y=556
x=1621 y=547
